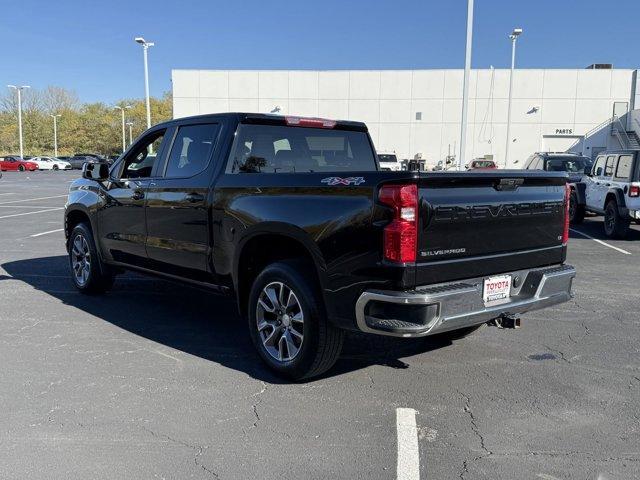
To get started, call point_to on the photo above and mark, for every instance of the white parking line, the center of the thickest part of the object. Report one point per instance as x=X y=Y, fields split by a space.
x=408 y=453
x=31 y=213
x=31 y=199
x=600 y=241
x=7 y=193
x=27 y=206
x=46 y=233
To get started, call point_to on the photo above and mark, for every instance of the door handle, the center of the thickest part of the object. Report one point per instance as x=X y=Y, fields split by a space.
x=607 y=184
x=194 y=198
x=138 y=195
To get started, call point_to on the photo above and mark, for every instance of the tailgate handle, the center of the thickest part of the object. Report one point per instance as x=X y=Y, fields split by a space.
x=508 y=183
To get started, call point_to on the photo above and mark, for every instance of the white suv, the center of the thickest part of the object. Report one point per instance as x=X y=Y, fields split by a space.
x=611 y=189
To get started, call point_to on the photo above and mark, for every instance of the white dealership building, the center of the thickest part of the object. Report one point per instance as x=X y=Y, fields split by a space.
x=418 y=112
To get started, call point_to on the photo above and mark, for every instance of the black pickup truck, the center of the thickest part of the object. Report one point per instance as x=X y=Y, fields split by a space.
x=295 y=218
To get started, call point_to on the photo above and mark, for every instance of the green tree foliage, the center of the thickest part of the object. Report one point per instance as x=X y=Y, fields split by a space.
x=82 y=128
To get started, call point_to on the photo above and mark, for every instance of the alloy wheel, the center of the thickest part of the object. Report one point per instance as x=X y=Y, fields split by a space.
x=280 y=321
x=609 y=220
x=80 y=260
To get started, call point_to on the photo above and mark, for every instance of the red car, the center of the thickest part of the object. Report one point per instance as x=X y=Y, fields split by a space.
x=13 y=163
x=482 y=165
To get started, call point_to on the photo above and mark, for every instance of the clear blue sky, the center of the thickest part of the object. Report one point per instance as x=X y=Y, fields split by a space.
x=88 y=46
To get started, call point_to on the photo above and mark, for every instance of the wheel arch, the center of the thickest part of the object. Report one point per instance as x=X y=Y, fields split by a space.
x=268 y=243
x=617 y=195
x=580 y=190
x=75 y=214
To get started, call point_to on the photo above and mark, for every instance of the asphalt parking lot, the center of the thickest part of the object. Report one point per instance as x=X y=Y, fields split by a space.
x=157 y=380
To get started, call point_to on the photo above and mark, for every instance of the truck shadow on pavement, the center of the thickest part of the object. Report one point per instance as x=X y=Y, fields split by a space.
x=196 y=321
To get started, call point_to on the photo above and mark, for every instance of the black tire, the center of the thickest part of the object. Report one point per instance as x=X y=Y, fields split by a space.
x=614 y=225
x=576 y=211
x=55 y=167
x=97 y=277
x=21 y=168
x=321 y=341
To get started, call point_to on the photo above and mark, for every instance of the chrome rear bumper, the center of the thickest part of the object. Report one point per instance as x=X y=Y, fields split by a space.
x=449 y=306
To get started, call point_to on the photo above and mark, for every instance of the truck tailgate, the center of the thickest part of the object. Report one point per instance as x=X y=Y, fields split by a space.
x=481 y=223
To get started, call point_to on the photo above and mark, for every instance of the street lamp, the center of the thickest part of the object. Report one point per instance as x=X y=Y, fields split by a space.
x=55 y=134
x=145 y=47
x=19 y=90
x=465 y=85
x=514 y=36
x=122 y=109
x=130 y=124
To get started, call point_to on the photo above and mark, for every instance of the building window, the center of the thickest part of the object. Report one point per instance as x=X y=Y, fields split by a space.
x=418 y=115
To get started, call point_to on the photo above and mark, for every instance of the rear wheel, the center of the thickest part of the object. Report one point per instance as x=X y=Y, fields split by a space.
x=576 y=211
x=55 y=167
x=88 y=273
x=615 y=226
x=21 y=168
x=287 y=322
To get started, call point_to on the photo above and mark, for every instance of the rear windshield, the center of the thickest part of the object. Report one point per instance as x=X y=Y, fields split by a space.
x=483 y=164
x=387 y=158
x=568 y=164
x=279 y=149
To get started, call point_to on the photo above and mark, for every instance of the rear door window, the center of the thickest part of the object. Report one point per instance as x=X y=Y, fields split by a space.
x=625 y=165
x=191 y=150
x=280 y=149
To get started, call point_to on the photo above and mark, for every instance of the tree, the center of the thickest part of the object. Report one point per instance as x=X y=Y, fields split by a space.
x=82 y=128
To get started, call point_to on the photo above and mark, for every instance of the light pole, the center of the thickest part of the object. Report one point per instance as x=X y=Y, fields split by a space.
x=514 y=36
x=145 y=47
x=19 y=90
x=130 y=125
x=124 y=138
x=55 y=134
x=465 y=86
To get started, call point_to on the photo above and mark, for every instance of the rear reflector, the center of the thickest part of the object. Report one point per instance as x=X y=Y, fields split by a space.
x=310 y=122
x=401 y=235
x=567 y=200
x=634 y=191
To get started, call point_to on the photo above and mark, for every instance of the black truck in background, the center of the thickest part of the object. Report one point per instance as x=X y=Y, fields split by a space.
x=295 y=218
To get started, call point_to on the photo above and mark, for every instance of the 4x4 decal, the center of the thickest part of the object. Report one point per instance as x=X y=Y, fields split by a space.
x=331 y=181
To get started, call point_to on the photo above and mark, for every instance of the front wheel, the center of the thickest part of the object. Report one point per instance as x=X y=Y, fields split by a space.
x=55 y=167
x=615 y=226
x=88 y=273
x=287 y=322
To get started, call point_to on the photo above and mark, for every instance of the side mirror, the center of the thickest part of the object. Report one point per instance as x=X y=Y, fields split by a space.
x=587 y=170
x=95 y=171
x=598 y=171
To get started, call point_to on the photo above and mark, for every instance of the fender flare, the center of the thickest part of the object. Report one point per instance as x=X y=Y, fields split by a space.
x=619 y=195
x=580 y=189
x=286 y=230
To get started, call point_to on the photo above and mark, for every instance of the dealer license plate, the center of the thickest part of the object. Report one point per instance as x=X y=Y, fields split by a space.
x=496 y=288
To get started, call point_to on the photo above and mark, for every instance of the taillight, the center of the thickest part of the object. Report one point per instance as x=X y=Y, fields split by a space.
x=310 y=122
x=567 y=200
x=634 y=191
x=401 y=235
